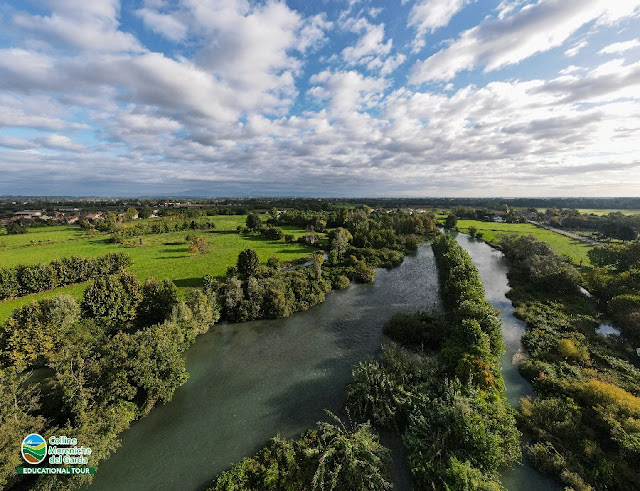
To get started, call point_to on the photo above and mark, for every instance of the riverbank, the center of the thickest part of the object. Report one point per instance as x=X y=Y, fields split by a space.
x=583 y=422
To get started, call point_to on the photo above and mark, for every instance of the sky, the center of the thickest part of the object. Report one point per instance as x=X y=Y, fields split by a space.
x=320 y=98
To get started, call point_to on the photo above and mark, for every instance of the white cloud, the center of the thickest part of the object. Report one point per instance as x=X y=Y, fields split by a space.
x=312 y=34
x=79 y=24
x=429 y=15
x=575 y=49
x=165 y=24
x=60 y=142
x=619 y=47
x=16 y=143
x=370 y=43
x=217 y=116
x=535 y=28
x=347 y=91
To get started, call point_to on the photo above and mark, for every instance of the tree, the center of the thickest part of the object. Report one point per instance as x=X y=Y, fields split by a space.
x=146 y=212
x=158 y=300
x=113 y=301
x=18 y=406
x=451 y=222
x=253 y=221
x=472 y=231
x=339 y=241
x=15 y=228
x=319 y=225
x=347 y=459
x=197 y=245
x=144 y=367
x=131 y=214
x=34 y=332
x=248 y=264
x=364 y=273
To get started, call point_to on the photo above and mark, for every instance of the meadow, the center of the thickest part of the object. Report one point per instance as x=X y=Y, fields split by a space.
x=158 y=255
x=601 y=211
x=575 y=249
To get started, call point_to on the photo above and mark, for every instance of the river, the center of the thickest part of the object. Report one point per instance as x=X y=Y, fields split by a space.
x=251 y=381
x=493 y=272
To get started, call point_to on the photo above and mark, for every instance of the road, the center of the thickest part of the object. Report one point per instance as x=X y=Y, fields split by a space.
x=567 y=234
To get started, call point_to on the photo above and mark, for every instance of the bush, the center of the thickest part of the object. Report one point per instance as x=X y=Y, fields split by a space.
x=15 y=228
x=363 y=273
x=625 y=312
x=331 y=457
x=422 y=330
x=341 y=282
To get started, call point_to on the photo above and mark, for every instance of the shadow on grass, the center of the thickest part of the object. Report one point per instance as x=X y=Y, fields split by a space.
x=172 y=257
x=188 y=282
x=173 y=243
x=175 y=250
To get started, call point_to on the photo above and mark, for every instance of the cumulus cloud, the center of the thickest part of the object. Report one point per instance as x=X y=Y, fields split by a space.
x=428 y=15
x=78 y=24
x=503 y=41
x=235 y=103
x=370 y=44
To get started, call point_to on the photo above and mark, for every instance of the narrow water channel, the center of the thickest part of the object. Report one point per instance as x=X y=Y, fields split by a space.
x=493 y=272
x=251 y=381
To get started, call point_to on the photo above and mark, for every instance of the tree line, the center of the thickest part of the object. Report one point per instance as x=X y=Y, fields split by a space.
x=26 y=279
x=440 y=386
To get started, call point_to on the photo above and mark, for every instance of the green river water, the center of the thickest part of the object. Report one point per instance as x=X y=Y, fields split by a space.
x=251 y=381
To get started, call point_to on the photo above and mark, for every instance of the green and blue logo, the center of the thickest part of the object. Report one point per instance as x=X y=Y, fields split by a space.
x=34 y=448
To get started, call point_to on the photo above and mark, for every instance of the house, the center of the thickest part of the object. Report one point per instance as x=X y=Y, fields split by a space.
x=92 y=217
x=27 y=214
x=73 y=219
x=498 y=219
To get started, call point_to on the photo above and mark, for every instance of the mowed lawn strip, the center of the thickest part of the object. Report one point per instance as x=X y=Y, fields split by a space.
x=160 y=256
x=575 y=249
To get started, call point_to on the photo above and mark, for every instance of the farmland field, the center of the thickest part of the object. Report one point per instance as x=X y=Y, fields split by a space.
x=598 y=211
x=573 y=248
x=157 y=255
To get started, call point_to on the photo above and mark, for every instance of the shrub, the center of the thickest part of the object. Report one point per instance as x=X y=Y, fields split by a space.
x=341 y=282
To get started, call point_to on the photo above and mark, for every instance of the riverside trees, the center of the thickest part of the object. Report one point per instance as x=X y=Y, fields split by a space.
x=447 y=398
x=105 y=362
x=331 y=457
x=584 y=422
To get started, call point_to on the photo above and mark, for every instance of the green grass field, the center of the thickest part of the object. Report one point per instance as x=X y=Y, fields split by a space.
x=42 y=235
x=160 y=255
x=606 y=212
x=597 y=211
x=573 y=248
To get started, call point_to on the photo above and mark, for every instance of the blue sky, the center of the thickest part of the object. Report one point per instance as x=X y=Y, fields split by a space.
x=320 y=98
